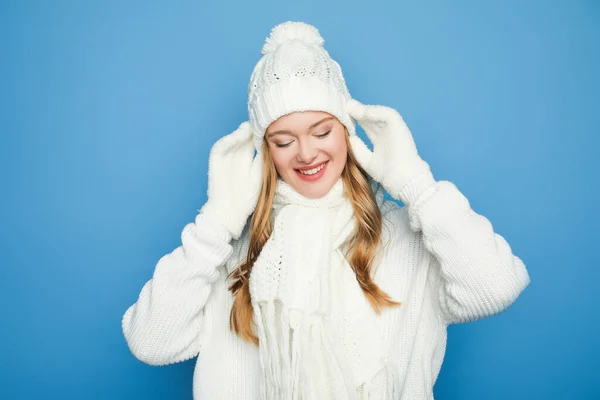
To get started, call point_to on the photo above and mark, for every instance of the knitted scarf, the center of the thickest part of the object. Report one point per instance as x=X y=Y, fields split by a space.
x=316 y=329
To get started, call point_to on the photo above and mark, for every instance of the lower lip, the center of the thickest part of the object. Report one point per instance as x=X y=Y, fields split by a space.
x=314 y=177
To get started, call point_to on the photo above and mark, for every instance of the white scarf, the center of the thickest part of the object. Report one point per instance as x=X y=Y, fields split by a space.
x=317 y=331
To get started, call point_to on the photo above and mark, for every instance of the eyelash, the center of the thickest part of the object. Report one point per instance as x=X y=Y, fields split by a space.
x=318 y=136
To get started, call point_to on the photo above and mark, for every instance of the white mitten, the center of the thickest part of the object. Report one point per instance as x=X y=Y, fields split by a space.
x=234 y=180
x=394 y=161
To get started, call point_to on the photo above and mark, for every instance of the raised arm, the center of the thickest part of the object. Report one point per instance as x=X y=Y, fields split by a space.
x=479 y=274
x=165 y=323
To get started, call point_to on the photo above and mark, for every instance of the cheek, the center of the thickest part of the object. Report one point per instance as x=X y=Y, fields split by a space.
x=280 y=159
x=337 y=145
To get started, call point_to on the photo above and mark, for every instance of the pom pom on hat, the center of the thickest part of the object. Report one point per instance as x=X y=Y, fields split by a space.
x=292 y=30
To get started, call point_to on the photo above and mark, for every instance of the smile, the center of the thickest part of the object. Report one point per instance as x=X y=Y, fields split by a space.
x=312 y=171
x=312 y=174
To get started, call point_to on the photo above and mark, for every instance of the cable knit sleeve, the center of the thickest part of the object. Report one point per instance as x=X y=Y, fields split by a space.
x=479 y=275
x=164 y=325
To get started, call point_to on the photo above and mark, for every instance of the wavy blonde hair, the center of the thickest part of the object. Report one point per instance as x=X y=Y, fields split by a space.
x=360 y=249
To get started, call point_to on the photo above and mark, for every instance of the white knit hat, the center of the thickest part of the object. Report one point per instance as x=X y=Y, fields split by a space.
x=295 y=74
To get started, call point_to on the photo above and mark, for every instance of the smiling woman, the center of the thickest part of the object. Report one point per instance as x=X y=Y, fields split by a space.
x=297 y=280
x=309 y=151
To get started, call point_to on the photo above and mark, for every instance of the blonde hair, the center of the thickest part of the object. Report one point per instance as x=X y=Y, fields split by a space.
x=360 y=248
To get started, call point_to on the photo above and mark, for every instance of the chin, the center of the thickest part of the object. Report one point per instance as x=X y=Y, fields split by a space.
x=314 y=193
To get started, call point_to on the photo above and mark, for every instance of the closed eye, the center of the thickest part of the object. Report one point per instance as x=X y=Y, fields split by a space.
x=321 y=136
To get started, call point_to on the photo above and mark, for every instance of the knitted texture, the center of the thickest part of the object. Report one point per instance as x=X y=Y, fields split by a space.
x=441 y=260
x=316 y=329
x=295 y=73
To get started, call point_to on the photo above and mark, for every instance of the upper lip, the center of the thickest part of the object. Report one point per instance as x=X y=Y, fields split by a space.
x=311 y=166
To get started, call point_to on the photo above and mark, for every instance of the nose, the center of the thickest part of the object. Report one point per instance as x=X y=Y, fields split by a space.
x=307 y=153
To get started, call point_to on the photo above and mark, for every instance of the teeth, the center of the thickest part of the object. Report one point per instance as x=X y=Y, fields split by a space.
x=312 y=171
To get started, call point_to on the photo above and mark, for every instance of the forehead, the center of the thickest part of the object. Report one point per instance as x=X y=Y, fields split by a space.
x=300 y=120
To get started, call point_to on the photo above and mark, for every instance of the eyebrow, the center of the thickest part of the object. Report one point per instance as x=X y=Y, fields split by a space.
x=310 y=128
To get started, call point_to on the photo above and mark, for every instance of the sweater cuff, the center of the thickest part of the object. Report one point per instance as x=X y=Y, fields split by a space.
x=215 y=235
x=411 y=192
x=213 y=226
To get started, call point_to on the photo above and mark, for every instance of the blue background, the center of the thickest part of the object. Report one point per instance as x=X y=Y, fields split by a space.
x=108 y=111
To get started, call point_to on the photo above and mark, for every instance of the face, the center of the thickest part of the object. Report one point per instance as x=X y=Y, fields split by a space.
x=309 y=151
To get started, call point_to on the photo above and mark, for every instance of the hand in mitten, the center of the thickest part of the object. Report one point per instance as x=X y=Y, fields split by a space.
x=234 y=180
x=394 y=161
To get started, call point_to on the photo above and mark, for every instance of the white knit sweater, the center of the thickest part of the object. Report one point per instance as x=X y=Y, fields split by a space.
x=442 y=261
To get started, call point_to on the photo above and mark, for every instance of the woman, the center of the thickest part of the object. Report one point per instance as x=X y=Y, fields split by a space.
x=297 y=280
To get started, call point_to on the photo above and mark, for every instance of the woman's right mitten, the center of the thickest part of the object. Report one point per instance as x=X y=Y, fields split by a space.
x=234 y=180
